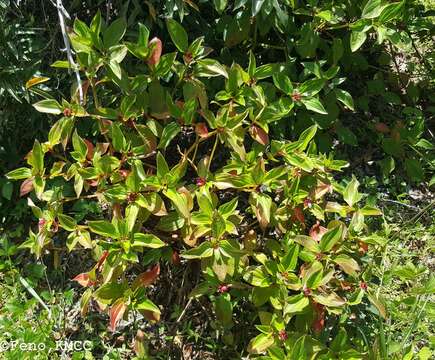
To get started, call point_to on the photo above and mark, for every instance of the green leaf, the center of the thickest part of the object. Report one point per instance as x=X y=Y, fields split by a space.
x=295 y=304
x=357 y=38
x=218 y=225
x=104 y=228
x=67 y=222
x=344 y=97
x=224 y=310
x=179 y=201
x=204 y=250
x=391 y=11
x=332 y=300
x=414 y=169
x=350 y=193
x=283 y=83
x=311 y=87
x=169 y=132
x=260 y=343
x=49 y=106
x=306 y=136
x=20 y=173
x=313 y=275
x=378 y=303
x=370 y=211
x=162 y=166
x=315 y=105
x=257 y=276
x=37 y=158
x=178 y=35
x=337 y=49
x=256 y=6
x=147 y=240
x=425 y=144
x=372 y=9
x=330 y=238
x=220 y=5
x=118 y=139
x=147 y=304
x=79 y=145
x=289 y=261
x=7 y=190
x=349 y=265
x=114 y=33
x=110 y=292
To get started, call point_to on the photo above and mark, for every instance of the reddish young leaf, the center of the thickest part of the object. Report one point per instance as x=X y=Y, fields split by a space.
x=319 y=322
x=116 y=313
x=156 y=53
x=317 y=231
x=84 y=280
x=382 y=128
x=116 y=209
x=102 y=260
x=201 y=130
x=321 y=190
x=147 y=277
x=102 y=147
x=175 y=258
x=26 y=186
x=90 y=152
x=298 y=215
x=363 y=247
x=149 y=315
x=259 y=135
x=139 y=344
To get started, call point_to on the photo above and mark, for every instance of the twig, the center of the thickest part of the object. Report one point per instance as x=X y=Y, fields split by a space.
x=62 y=15
x=184 y=310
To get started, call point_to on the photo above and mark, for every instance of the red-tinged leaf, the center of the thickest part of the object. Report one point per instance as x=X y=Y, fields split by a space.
x=201 y=130
x=319 y=321
x=363 y=247
x=175 y=258
x=147 y=278
x=116 y=210
x=150 y=315
x=102 y=147
x=156 y=53
x=90 y=152
x=317 y=231
x=124 y=173
x=116 y=313
x=139 y=344
x=259 y=135
x=84 y=280
x=382 y=128
x=298 y=215
x=321 y=190
x=102 y=260
x=106 y=125
x=26 y=186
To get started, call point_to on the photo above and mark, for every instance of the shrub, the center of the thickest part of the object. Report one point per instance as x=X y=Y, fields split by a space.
x=181 y=170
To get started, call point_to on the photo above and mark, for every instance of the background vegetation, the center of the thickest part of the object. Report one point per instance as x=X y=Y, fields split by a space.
x=373 y=72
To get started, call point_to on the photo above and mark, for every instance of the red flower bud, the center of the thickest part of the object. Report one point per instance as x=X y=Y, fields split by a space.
x=363 y=285
x=282 y=335
x=223 y=288
x=156 y=45
x=200 y=181
x=67 y=112
x=307 y=291
x=296 y=97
